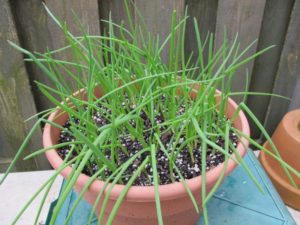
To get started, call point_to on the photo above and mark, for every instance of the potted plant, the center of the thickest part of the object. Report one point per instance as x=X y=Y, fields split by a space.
x=144 y=142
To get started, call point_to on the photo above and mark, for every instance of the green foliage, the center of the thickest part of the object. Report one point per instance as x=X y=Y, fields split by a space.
x=129 y=67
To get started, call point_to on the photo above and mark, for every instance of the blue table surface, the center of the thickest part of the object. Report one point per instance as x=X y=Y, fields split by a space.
x=238 y=201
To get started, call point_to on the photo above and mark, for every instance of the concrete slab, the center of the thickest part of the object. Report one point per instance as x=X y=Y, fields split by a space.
x=18 y=188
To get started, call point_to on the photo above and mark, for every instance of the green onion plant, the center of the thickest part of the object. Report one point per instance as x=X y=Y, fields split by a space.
x=126 y=64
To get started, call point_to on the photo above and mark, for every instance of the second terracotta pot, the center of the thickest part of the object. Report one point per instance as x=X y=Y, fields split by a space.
x=287 y=140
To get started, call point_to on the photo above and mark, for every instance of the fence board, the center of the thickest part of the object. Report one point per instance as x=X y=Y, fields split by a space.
x=31 y=23
x=80 y=16
x=157 y=15
x=16 y=100
x=205 y=12
x=295 y=103
x=276 y=16
x=67 y=11
x=38 y=32
x=118 y=12
x=244 y=18
x=288 y=71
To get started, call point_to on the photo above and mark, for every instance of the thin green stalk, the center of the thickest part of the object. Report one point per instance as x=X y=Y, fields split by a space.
x=124 y=192
x=156 y=185
x=262 y=129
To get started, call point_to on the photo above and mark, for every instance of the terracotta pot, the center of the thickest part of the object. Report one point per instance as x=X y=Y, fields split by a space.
x=138 y=207
x=287 y=140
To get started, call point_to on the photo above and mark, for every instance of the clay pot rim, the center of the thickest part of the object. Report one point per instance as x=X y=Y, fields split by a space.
x=147 y=193
x=274 y=175
x=291 y=124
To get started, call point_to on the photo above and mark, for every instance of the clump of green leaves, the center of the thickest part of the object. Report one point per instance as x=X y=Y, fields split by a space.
x=129 y=67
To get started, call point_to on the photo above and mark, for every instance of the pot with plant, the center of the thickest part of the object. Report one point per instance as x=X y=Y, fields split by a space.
x=142 y=141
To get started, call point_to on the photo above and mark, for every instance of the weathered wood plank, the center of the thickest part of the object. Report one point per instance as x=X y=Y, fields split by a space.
x=31 y=22
x=16 y=100
x=244 y=18
x=118 y=13
x=79 y=16
x=273 y=31
x=4 y=164
x=288 y=71
x=157 y=15
x=295 y=102
x=205 y=11
x=67 y=11
x=38 y=32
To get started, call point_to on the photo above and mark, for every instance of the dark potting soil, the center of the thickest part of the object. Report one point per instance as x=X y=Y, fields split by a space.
x=188 y=161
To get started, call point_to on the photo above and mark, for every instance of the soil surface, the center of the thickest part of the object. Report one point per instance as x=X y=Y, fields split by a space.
x=188 y=161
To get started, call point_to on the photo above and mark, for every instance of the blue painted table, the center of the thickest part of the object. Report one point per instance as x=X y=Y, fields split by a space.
x=238 y=201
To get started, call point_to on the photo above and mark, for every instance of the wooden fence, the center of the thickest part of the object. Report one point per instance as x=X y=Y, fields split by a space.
x=26 y=22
